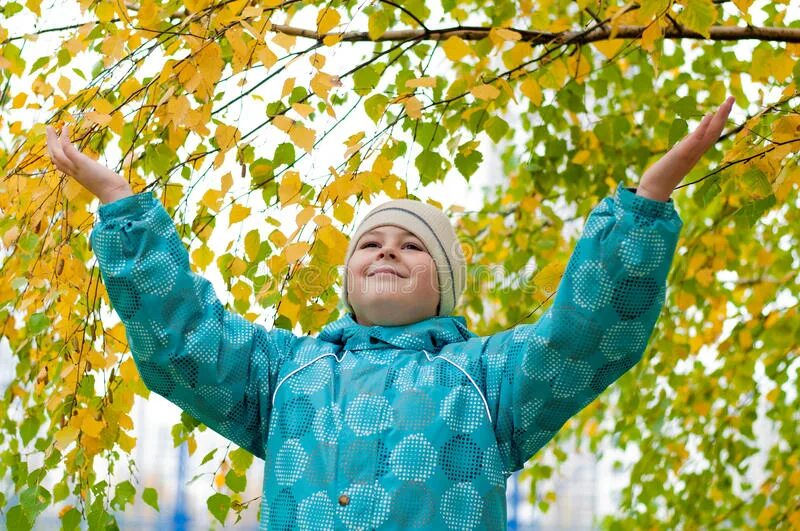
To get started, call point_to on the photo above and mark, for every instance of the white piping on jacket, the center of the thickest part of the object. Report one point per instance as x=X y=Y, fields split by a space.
x=448 y=360
x=300 y=368
x=451 y=362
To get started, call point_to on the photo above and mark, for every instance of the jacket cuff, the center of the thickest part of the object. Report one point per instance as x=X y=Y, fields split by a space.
x=644 y=206
x=132 y=205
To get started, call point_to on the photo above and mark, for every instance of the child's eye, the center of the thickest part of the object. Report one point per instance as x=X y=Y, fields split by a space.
x=368 y=244
x=414 y=246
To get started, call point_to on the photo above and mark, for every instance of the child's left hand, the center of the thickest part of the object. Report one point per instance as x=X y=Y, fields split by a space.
x=661 y=178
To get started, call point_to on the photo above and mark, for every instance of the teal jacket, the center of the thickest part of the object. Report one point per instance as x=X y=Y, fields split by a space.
x=409 y=427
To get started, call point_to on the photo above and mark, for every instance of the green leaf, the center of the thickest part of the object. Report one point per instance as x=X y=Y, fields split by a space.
x=28 y=429
x=284 y=154
x=17 y=520
x=123 y=495
x=378 y=24
x=677 y=131
x=699 y=16
x=209 y=456
x=60 y=491
x=11 y=9
x=430 y=166
x=375 y=106
x=28 y=241
x=366 y=79
x=38 y=323
x=651 y=8
x=467 y=164
x=241 y=459
x=219 y=505
x=236 y=482
x=150 y=497
x=34 y=500
x=71 y=520
x=496 y=128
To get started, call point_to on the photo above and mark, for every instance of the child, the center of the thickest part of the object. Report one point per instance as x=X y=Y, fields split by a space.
x=396 y=416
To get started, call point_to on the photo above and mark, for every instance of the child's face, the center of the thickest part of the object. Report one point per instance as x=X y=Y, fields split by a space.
x=391 y=278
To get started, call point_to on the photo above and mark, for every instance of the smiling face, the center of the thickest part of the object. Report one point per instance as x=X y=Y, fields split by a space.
x=391 y=278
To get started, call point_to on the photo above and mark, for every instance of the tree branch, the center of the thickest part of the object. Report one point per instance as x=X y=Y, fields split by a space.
x=716 y=33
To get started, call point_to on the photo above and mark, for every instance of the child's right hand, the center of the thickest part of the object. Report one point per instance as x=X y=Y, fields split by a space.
x=99 y=180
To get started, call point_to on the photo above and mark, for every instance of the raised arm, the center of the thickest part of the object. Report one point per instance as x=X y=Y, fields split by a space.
x=213 y=363
x=608 y=301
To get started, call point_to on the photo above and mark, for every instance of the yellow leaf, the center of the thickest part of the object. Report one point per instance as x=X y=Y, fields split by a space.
x=288 y=85
x=530 y=88
x=317 y=60
x=65 y=436
x=238 y=213
x=283 y=123
x=148 y=13
x=330 y=40
x=276 y=263
x=191 y=445
x=302 y=136
x=19 y=100
x=226 y=136
x=128 y=371
x=421 y=82
x=786 y=128
x=766 y=515
x=581 y=156
x=105 y=11
x=334 y=241
x=455 y=48
x=202 y=257
x=278 y=238
x=413 y=107
x=212 y=199
x=303 y=109
x=485 y=92
x=64 y=510
x=553 y=75
x=500 y=35
x=289 y=309
x=609 y=48
x=126 y=442
x=344 y=212
x=289 y=189
x=547 y=279
x=650 y=35
x=327 y=19
x=285 y=41
x=265 y=55
x=252 y=244
x=322 y=83
x=98 y=118
x=705 y=277
x=304 y=215
x=125 y=422
x=684 y=300
x=91 y=426
x=296 y=251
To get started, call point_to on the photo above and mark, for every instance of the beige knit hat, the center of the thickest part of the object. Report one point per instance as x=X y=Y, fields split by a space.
x=433 y=227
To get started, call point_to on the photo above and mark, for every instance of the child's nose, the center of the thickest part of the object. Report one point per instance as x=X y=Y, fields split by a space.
x=387 y=250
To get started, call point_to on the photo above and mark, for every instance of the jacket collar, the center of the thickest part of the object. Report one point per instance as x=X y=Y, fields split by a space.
x=431 y=334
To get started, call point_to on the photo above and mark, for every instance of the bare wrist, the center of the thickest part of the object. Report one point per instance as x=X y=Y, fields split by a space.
x=659 y=195
x=113 y=194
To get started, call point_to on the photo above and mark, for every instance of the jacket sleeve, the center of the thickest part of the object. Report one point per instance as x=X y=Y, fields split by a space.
x=214 y=364
x=539 y=375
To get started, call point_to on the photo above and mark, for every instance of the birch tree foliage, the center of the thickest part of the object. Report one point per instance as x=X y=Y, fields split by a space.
x=573 y=97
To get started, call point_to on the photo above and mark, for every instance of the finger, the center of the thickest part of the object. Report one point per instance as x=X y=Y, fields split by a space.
x=69 y=148
x=66 y=158
x=721 y=117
